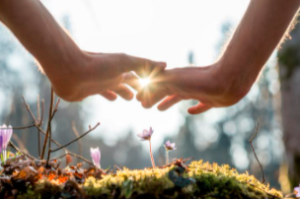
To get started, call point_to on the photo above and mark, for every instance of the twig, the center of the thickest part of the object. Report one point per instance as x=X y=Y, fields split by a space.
x=77 y=135
x=49 y=124
x=19 y=142
x=39 y=121
x=38 y=124
x=53 y=150
x=54 y=141
x=17 y=149
x=29 y=111
x=23 y=127
x=38 y=109
x=250 y=141
x=74 y=155
x=66 y=150
x=42 y=115
x=50 y=133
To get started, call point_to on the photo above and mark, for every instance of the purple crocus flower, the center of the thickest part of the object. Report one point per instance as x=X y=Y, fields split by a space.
x=169 y=146
x=95 y=153
x=146 y=135
x=1 y=143
x=297 y=191
x=6 y=133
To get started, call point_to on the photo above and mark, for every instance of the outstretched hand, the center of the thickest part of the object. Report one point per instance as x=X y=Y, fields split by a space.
x=104 y=74
x=205 y=84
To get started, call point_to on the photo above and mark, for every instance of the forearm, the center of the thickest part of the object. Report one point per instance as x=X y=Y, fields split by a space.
x=257 y=35
x=38 y=31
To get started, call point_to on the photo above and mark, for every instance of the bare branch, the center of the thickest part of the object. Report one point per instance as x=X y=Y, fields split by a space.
x=90 y=130
x=40 y=124
x=250 y=141
x=74 y=155
x=66 y=150
x=77 y=135
x=38 y=109
x=54 y=141
x=49 y=124
x=39 y=121
x=19 y=142
x=50 y=133
x=17 y=149
x=29 y=111
x=23 y=127
x=43 y=111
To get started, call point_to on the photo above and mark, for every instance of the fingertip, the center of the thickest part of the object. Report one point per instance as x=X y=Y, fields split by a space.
x=110 y=98
x=109 y=95
x=162 y=64
x=198 y=109
x=131 y=96
x=138 y=96
x=161 y=108
x=191 y=111
x=146 y=104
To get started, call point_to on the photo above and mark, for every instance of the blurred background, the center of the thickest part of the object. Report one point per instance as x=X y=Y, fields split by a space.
x=181 y=33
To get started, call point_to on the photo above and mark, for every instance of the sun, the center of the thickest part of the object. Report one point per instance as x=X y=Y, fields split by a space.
x=144 y=82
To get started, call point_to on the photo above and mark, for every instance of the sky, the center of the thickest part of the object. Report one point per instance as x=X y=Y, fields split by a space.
x=160 y=30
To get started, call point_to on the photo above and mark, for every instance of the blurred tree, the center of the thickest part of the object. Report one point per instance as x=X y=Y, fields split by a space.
x=289 y=65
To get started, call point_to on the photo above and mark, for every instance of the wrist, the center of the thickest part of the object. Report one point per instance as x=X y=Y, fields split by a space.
x=236 y=83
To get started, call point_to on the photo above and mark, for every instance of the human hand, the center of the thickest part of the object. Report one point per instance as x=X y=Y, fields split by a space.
x=99 y=73
x=208 y=85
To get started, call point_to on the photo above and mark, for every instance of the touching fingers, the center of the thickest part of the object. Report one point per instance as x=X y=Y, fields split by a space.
x=132 y=80
x=199 y=108
x=168 y=102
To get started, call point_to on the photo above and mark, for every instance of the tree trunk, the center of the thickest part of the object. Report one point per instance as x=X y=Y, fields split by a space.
x=289 y=62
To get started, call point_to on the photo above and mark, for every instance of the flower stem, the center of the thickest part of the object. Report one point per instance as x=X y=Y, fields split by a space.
x=4 y=156
x=167 y=157
x=151 y=155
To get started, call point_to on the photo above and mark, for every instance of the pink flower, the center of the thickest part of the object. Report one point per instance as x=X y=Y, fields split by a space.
x=169 y=146
x=146 y=135
x=1 y=141
x=96 y=156
x=5 y=133
x=297 y=191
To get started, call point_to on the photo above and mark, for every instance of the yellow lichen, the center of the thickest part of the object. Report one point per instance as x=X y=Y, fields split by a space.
x=201 y=180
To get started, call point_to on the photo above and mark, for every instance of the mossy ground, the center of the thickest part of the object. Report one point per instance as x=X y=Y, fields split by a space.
x=197 y=180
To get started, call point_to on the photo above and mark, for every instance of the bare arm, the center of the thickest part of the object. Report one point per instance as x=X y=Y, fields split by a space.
x=261 y=29
x=37 y=30
x=228 y=80
x=74 y=74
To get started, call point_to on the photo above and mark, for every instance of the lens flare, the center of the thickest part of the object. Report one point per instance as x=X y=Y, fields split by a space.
x=145 y=82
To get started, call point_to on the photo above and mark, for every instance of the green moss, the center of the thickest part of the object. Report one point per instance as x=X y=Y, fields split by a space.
x=200 y=180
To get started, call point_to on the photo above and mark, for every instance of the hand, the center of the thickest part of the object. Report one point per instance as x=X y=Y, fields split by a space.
x=208 y=85
x=74 y=74
x=99 y=73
